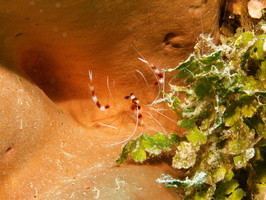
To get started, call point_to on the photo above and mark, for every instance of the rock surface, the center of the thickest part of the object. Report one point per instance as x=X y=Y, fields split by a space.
x=55 y=142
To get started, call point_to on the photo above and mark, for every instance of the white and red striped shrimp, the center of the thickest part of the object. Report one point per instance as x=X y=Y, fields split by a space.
x=136 y=107
x=157 y=72
x=93 y=96
x=135 y=104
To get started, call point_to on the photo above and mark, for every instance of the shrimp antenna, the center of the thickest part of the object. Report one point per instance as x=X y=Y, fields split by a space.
x=143 y=58
x=132 y=134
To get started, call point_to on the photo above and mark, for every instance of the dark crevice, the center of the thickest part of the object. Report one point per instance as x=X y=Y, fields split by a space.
x=168 y=37
x=168 y=40
x=8 y=149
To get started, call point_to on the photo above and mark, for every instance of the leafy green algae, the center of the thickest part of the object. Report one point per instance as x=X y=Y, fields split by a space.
x=224 y=115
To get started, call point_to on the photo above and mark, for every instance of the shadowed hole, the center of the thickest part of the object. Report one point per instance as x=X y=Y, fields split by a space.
x=169 y=40
x=8 y=149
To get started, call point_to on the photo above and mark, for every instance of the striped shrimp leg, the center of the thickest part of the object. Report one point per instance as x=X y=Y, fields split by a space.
x=135 y=104
x=157 y=72
x=93 y=96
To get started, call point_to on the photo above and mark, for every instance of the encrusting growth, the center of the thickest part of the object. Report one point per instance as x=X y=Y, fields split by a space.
x=93 y=96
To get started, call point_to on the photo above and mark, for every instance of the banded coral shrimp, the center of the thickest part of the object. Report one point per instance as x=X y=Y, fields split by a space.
x=159 y=74
x=144 y=114
x=93 y=95
x=153 y=111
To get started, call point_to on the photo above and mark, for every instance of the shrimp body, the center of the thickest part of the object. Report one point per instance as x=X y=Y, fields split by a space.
x=93 y=96
x=157 y=72
x=135 y=104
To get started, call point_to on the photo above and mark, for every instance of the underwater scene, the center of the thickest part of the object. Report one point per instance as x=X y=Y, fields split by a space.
x=133 y=100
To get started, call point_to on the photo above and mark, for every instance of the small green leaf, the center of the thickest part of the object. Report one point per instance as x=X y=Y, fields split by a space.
x=263 y=66
x=187 y=68
x=123 y=156
x=147 y=141
x=229 y=176
x=237 y=194
x=138 y=155
x=225 y=189
x=189 y=62
x=219 y=174
x=200 y=195
x=244 y=39
x=184 y=73
x=204 y=87
x=196 y=136
x=248 y=110
x=186 y=123
x=252 y=86
x=162 y=142
x=236 y=147
x=207 y=68
x=174 y=139
x=209 y=59
x=232 y=116
x=149 y=145
x=259 y=47
x=261 y=73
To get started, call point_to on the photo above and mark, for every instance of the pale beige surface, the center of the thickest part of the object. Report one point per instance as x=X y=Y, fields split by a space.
x=54 y=141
